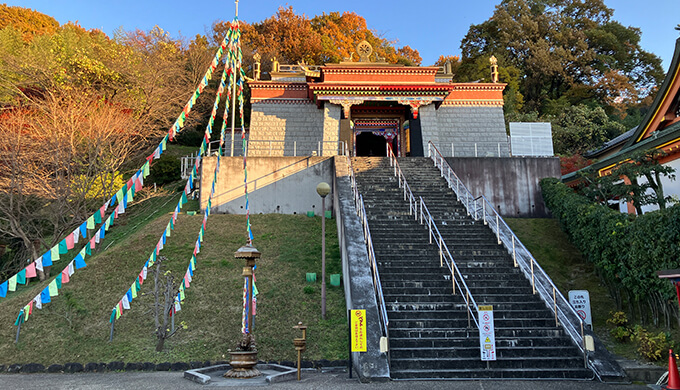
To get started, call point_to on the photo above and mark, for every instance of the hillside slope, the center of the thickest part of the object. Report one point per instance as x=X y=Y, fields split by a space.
x=74 y=327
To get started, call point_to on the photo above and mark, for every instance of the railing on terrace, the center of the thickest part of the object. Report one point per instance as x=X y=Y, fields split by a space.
x=477 y=149
x=481 y=209
x=279 y=148
x=377 y=285
x=423 y=215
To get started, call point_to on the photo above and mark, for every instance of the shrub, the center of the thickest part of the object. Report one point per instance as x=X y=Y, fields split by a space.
x=652 y=347
x=166 y=170
x=601 y=234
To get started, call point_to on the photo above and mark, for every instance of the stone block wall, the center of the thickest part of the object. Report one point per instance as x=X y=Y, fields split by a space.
x=295 y=128
x=331 y=129
x=429 y=125
x=465 y=127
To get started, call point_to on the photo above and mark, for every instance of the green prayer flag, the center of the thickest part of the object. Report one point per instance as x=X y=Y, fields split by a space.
x=12 y=283
x=113 y=316
x=88 y=250
x=184 y=198
x=98 y=217
x=119 y=196
x=20 y=318
x=137 y=285
x=63 y=249
x=255 y=292
x=90 y=222
x=83 y=251
x=167 y=230
x=21 y=276
x=193 y=261
x=54 y=253
x=146 y=169
x=52 y=287
x=133 y=288
x=181 y=294
x=58 y=280
x=107 y=224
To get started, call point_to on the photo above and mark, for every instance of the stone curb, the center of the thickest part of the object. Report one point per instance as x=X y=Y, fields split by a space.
x=72 y=368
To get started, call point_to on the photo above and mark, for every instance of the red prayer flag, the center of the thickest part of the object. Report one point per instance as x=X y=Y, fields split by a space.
x=30 y=308
x=141 y=279
x=64 y=276
x=69 y=241
x=92 y=243
x=186 y=280
x=102 y=210
x=30 y=271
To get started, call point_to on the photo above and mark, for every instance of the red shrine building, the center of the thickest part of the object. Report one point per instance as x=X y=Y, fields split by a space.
x=659 y=129
x=357 y=107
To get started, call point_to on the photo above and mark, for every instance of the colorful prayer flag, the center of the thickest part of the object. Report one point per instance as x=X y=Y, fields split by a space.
x=52 y=288
x=46 y=259
x=63 y=249
x=21 y=276
x=3 y=289
x=80 y=262
x=69 y=241
x=12 y=283
x=54 y=253
x=65 y=276
x=90 y=223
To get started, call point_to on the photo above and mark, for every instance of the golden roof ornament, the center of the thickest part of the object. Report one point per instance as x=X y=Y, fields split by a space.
x=493 y=60
x=494 y=69
x=364 y=49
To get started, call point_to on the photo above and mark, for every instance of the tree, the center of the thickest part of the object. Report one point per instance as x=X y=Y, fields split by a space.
x=27 y=21
x=326 y=38
x=644 y=172
x=61 y=158
x=563 y=48
x=577 y=129
x=164 y=294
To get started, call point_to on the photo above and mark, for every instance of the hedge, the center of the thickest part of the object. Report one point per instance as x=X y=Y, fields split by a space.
x=627 y=250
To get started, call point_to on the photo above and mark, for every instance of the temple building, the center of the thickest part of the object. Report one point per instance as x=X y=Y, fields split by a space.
x=357 y=107
x=659 y=129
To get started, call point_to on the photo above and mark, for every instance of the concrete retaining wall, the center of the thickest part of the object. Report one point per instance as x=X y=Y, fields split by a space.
x=358 y=282
x=284 y=185
x=510 y=184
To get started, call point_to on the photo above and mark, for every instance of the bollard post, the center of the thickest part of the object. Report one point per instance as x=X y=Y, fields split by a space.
x=111 y=332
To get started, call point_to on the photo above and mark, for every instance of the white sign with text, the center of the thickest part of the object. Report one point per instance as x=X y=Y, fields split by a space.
x=580 y=301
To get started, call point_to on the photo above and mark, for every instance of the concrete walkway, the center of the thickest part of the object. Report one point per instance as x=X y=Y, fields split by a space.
x=311 y=380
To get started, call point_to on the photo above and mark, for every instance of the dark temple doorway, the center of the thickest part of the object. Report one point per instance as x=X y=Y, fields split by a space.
x=369 y=144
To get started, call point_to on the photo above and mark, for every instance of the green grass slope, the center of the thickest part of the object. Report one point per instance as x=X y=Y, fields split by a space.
x=74 y=327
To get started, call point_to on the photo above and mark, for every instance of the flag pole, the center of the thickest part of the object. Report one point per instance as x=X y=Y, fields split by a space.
x=233 y=97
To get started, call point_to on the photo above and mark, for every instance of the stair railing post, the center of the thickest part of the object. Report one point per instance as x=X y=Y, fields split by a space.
x=453 y=279
x=585 y=351
x=476 y=216
x=514 y=252
x=533 y=281
x=441 y=165
x=429 y=225
x=467 y=304
x=557 y=324
x=294 y=148
x=498 y=230
x=441 y=253
x=484 y=212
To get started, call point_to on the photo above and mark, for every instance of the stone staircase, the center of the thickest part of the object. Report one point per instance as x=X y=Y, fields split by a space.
x=429 y=333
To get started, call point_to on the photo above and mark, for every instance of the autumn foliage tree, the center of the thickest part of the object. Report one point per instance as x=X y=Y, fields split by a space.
x=328 y=38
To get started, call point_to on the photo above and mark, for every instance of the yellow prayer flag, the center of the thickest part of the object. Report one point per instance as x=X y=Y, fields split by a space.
x=54 y=253
x=54 y=291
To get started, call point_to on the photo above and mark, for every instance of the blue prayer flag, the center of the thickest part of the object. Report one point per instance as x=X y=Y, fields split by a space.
x=80 y=262
x=47 y=259
x=45 y=295
x=3 y=290
x=83 y=229
x=129 y=295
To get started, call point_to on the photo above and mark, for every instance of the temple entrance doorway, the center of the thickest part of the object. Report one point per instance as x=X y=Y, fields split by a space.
x=372 y=135
x=369 y=144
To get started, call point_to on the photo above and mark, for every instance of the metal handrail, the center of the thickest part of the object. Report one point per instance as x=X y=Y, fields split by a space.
x=265 y=147
x=444 y=253
x=522 y=258
x=445 y=256
x=377 y=285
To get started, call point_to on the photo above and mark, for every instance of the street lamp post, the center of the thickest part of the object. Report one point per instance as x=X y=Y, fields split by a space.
x=323 y=189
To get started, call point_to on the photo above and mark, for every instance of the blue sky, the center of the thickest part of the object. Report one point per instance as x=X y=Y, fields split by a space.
x=432 y=27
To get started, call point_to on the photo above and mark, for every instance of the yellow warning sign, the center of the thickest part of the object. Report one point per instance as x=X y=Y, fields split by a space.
x=358 y=329
x=487 y=340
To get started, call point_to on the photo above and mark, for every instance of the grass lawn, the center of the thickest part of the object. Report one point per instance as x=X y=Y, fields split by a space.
x=74 y=327
x=569 y=271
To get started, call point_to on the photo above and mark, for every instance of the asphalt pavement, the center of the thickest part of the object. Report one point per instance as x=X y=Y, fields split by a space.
x=310 y=380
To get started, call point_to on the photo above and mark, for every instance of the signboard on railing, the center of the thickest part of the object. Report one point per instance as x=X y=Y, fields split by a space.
x=487 y=336
x=580 y=301
x=357 y=329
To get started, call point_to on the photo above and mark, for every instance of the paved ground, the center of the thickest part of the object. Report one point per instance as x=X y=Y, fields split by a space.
x=311 y=380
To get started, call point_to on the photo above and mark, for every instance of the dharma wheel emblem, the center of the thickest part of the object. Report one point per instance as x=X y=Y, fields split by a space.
x=364 y=49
